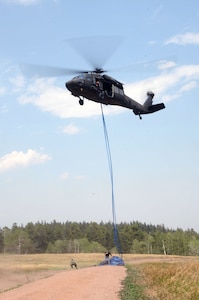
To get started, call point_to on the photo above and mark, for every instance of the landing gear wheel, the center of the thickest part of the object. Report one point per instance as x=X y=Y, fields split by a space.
x=81 y=101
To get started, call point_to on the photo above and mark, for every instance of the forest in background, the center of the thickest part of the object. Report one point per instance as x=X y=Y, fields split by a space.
x=92 y=237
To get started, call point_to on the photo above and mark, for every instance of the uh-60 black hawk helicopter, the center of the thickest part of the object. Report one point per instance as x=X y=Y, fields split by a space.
x=99 y=87
x=95 y=85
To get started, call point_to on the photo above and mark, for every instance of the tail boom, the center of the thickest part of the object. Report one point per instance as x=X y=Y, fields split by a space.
x=148 y=107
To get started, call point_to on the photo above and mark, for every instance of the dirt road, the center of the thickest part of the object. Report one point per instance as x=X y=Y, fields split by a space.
x=93 y=283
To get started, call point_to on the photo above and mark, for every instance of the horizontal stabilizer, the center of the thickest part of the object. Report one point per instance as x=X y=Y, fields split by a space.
x=156 y=107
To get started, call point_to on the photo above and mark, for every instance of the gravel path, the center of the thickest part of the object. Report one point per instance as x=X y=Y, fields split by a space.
x=94 y=283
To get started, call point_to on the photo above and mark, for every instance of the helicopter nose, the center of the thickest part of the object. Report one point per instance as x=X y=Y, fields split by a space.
x=74 y=85
x=69 y=85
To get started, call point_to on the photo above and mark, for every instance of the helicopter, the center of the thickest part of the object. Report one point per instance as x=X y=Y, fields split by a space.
x=95 y=85
x=101 y=88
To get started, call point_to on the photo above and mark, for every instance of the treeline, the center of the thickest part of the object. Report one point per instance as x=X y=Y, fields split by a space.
x=73 y=237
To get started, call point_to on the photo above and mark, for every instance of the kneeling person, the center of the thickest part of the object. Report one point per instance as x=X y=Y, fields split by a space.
x=73 y=264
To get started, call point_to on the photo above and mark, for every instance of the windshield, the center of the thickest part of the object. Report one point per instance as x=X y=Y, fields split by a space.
x=81 y=76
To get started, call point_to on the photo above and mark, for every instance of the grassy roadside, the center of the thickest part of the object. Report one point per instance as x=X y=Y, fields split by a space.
x=132 y=286
x=162 y=280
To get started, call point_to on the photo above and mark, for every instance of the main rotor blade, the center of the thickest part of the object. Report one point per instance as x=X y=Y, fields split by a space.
x=147 y=66
x=47 y=71
x=96 y=50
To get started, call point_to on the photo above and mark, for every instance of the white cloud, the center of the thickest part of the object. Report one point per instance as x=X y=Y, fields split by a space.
x=188 y=86
x=17 y=83
x=79 y=177
x=20 y=159
x=168 y=85
x=157 y=11
x=70 y=129
x=163 y=65
x=152 y=42
x=64 y=176
x=3 y=109
x=44 y=94
x=184 y=39
x=2 y=91
x=170 y=81
x=22 y=2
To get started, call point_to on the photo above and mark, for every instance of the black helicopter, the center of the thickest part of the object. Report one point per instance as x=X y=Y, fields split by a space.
x=99 y=87
x=95 y=85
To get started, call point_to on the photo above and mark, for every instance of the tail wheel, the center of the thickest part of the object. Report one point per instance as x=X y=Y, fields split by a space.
x=81 y=101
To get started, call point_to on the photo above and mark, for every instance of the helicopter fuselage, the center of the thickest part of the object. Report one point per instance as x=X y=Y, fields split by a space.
x=106 y=90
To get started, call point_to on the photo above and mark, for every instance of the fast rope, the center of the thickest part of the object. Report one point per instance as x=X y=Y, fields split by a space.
x=115 y=230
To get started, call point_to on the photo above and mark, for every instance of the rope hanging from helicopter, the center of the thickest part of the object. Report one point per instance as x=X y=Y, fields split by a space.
x=115 y=229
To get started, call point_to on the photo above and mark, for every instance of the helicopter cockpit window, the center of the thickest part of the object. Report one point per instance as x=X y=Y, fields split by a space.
x=118 y=90
x=81 y=76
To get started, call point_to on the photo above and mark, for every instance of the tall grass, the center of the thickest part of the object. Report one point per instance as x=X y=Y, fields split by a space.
x=172 y=281
x=39 y=262
x=161 y=278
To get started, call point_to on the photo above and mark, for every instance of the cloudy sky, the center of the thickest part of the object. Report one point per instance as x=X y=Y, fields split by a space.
x=53 y=160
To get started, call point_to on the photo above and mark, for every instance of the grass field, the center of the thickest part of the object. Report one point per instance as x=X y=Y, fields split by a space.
x=17 y=270
x=38 y=262
x=172 y=281
x=148 y=276
x=161 y=278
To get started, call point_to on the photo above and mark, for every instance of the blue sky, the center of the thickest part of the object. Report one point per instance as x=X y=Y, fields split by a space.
x=53 y=161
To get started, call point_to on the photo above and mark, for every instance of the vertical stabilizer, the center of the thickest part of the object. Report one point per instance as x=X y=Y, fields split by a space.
x=149 y=100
